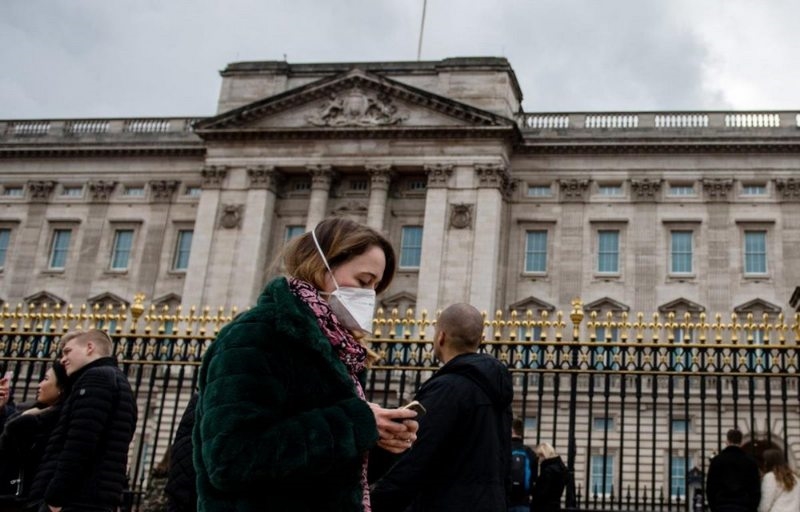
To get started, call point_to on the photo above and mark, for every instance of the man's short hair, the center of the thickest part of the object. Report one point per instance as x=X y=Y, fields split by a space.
x=734 y=436
x=101 y=340
x=518 y=427
x=463 y=325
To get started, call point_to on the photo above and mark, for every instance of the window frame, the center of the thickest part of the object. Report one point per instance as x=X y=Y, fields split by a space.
x=7 y=188
x=547 y=189
x=51 y=252
x=404 y=248
x=680 y=190
x=127 y=187
x=751 y=231
x=527 y=252
x=115 y=249
x=8 y=241
x=607 y=461
x=672 y=251
x=177 y=251
x=599 y=253
x=289 y=228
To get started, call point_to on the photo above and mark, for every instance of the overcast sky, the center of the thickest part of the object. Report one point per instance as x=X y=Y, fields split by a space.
x=126 y=58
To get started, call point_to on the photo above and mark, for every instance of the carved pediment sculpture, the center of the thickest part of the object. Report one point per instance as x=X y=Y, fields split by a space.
x=101 y=190
x=41 y=190
x=163 y=190
x=574 y=189
x=717 y=189
x=356 y=107
x=789 y=188
x=645 y=188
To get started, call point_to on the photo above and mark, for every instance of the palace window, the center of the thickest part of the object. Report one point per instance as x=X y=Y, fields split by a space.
x=755 y=252
x=183 y=246
x=536 y=251
x=608 y=251
x=293 y=231
x=59 y=248
x=72 y=191
x=133 y=191
x=13 y=191
x=681 y=190
x=193 y=191
x=754 y=190
x=680 y=426
x=610 y=190
x=5 y=238
x=410 y=246
x=681 y=252
x=121 y=251
x=603 y=424
x=540 y=191
x=678 y=467
x=602 y=471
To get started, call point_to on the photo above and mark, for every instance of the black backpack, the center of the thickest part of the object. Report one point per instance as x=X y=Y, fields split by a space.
x=521 y=470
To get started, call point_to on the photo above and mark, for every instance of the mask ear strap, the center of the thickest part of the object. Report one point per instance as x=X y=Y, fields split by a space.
x=322 y=254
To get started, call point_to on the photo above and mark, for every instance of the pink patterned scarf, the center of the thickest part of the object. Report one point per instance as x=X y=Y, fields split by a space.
x=350 y=352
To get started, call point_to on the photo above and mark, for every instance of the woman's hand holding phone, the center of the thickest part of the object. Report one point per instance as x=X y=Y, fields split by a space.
x=397 y=428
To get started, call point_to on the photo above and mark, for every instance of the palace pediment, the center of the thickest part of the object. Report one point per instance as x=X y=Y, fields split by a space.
x=355 y=101
x=758 y=306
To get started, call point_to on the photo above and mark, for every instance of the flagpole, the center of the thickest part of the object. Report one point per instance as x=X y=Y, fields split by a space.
x=421 y=29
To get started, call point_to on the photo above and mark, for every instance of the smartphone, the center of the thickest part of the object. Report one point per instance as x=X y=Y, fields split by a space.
x=416 y=407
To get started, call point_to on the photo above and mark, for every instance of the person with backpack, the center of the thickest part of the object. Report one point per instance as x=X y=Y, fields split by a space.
x=524 y=468
x=549 y=486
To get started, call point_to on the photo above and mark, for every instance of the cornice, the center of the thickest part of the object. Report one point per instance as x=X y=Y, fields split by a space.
x=489 y=132
x=55 y=151
x=619 y=146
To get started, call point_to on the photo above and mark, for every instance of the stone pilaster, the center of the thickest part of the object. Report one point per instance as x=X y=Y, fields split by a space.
x=380 y=178
x=256 y=232
x=433 y=237
x=40 y=191
x=717 y=189
x=321 y=179
x=204 y=227
x=645 y=189
x=492 y=180
x=573 y=190
x=100 y=191
x=163 y=190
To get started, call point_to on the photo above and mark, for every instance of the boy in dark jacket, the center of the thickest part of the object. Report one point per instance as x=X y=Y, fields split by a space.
x=461 y=459
x=84 y=467
x=733 y=482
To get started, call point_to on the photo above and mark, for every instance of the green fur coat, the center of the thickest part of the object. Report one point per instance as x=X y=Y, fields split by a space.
x=279 y=424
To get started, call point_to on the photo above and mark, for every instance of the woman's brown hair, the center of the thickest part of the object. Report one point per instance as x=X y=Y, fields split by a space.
x=341 y=240
x=775 y=461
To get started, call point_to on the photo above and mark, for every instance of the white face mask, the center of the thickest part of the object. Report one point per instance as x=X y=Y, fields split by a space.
x=354 y=307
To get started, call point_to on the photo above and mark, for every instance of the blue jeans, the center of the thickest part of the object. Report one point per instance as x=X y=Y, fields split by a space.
x=519 y=508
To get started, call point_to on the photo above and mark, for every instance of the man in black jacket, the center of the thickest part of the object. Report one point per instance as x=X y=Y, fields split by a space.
x=733 y=483
x=524 y=469
x=461 y=459
x=181 y=486
x=84 y=467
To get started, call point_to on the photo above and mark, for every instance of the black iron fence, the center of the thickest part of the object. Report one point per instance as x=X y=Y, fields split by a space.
x=636 y=408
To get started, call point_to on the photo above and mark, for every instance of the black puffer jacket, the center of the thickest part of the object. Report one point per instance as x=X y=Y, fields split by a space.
x=734 y=482
x=181 y=486
x=87 y=456
x=549 y=486
x=461 y=459
x=22 y=446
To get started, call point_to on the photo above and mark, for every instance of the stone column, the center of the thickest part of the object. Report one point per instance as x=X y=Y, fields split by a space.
x=643 y=240
x=380 y=177
x=433 y=236
x=153 y=233
x=719 y=289
x=492 y=180
x=196 y=274
x=251 y=254
x=789 y=197
x=321 y=179
x=21 y=274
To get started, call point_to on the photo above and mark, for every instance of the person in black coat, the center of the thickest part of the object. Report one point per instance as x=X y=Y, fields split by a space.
x=549 y=486
x=181 y=486
x=7 y=408
x=461 y=459
x=25 y=436
x=84 y=467
x=734 y=482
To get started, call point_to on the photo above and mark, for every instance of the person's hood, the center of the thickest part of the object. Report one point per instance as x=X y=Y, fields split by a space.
x=488 y=373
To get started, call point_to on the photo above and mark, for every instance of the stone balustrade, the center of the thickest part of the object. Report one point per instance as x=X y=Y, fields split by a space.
x=37 y=128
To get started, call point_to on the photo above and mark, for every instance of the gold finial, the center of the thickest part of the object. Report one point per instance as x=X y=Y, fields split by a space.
x=138 y=306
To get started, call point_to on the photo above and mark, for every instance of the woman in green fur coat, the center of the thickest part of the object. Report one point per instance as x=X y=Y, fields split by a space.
x=282 y=421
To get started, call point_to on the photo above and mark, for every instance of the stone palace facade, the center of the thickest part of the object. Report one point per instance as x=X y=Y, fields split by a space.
x=664 y=211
